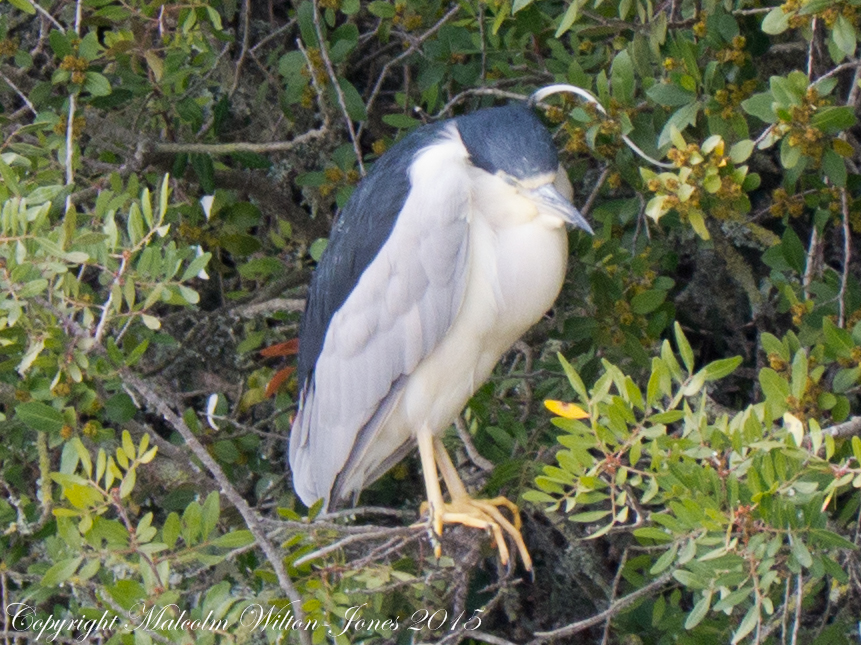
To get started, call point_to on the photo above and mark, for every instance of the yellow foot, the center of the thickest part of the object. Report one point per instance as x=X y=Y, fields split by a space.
x=481 y=514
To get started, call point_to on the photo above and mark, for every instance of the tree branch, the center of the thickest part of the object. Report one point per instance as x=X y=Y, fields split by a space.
x=612 y=610
x=252 y=521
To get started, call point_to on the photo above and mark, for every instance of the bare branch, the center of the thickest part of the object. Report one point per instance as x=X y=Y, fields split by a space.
x=239 y=146
x=594 y=195
x=254 y=309
x=246 y=10
x=333 y=77
x=847 y=255
x=252 y=521
x=612 y=610
x=360 y=537
x=397 y=59
x=49 y=17
x=472 y=452
x=484 y=637
x=20 y=94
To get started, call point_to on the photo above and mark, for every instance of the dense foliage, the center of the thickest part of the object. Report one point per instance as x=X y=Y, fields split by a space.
x=169 y=174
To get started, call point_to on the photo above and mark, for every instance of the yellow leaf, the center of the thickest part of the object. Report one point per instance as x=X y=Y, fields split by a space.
x=566 y=410
x=795 y=427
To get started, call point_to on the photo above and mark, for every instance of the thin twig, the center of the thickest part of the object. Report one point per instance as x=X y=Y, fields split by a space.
x=274 y=34
x=20 y=94
x=333 y=77
x=833 y=72
x=594 y=194
x=478 y=91
x=812 y=252
x=397 y=59
x=47 y=15
x=255 y=309
x=252 y=521
x=246 y=37
x=472 y=452
x=612 y=610
x=239 y=146
x=847 y=255
x=484 y=637
x=106 y=308
x=616 y=580
x=359 y=511
x=799 y=594
x=70 y=140
x=360 y=537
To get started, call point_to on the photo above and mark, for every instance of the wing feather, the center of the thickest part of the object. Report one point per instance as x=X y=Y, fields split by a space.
x=401 y=306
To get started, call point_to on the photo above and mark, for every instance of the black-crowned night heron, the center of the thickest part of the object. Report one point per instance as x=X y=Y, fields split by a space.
x=450 y=249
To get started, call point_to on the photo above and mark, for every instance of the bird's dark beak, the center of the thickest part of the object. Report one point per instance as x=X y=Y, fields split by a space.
x=553 y=200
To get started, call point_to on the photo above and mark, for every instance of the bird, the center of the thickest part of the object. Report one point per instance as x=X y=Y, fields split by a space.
x=447 y=252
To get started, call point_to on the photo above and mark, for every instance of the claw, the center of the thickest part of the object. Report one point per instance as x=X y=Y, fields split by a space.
x=476 y=513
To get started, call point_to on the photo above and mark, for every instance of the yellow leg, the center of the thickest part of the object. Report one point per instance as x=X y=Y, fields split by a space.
x=463 y=509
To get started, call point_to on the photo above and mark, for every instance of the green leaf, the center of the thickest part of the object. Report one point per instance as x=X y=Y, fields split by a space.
x=120 y=408
x=400 y=121
x=96 y=84
x=689 y=579
x=171 y=529
x=240 y=244
x=834 y=167
x=89 y=47
x=749 y=621
x=680 y=119
x=801 y=553
x=61 y=571
x=622 y=78
x=9 y=178
x=670 y=95
x=834 y=119
x=775 y=22
x=856 y=449
x=798 y=382
x=569 y=18
x=830 y=539
x=573 y=378
x=382 y=9
x=760 y=106
x=647 y=301
x=197 y=265
x=844 y=35
x=353 y=101
x=128 y=483
x=684 y=346
x=39 y=416
x=520 y=4
x=210 y=513
x=234 y=540
x=741 y=151
x=653 y=534
x=721 y=368
x=793 y=250
x=24 y=5
x=773 y=385
x=845 y=379
x=60 y=44
x=666 y=559
x=838 y=341
x=205 y=171
x=699 y=611
x=589 y=516
x=317 y=247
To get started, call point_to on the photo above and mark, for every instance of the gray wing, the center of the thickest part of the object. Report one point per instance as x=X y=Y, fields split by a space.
x=401 y=307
